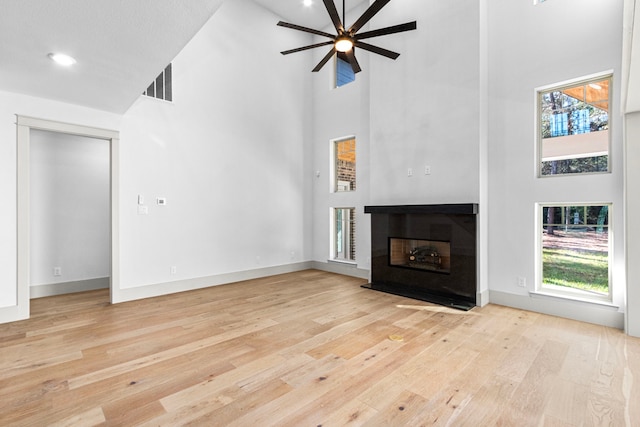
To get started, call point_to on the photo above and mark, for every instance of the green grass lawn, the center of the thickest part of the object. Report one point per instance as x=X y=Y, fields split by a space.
x=576 y=269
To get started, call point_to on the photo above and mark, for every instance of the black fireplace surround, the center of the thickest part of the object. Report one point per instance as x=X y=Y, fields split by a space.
x=439 y=245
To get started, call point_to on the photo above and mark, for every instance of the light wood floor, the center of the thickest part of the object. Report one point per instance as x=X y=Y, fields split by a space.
x=309 y=349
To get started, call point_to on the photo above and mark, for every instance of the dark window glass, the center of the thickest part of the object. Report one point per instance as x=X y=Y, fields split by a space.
x=344 y=72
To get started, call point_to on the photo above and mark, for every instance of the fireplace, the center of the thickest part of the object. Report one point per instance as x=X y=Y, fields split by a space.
x=426 y=252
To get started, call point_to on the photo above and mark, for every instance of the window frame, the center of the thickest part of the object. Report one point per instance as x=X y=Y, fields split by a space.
x=567 y=84
x=334 y=237
x=569 y=292
x=333 y=167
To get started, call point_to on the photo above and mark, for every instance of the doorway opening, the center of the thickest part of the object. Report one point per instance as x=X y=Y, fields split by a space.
x=25 y=126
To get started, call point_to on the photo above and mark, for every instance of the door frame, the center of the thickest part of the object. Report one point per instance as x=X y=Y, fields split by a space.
x=24 y=126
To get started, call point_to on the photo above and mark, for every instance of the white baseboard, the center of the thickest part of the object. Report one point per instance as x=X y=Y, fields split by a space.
x=40 y=291
x=482 y=298
x=341 y=268
x=158 y=289
x=561 y=307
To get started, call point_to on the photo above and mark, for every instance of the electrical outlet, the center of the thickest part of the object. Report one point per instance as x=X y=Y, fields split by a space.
x=174 y=269
x=410 y=172
x=427 y=170
x=57 y=271
x=522 y=282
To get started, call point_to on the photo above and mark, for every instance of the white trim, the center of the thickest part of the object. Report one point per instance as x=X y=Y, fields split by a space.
x=346 y=269
x=606 y=315
x=158 y=289
x=41 y=291
x=578 y=80
x=571 y=293
x=333 y=182
x=24 y=125
x=482 y=297
x=538 y=140
x=70 y=128
x=575 y=296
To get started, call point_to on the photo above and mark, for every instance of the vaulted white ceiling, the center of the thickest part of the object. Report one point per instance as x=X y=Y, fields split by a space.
x=120 y=45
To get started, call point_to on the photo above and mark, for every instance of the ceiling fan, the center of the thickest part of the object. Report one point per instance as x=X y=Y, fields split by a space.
x=346 y=40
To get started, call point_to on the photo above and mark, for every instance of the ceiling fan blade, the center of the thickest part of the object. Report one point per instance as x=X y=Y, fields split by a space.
x=351 y=57
x=368 y=14
x=387 y=30
x=300 y=49
x=324 y=60
x=376 y=49
x=305 y=29
x=333 y=14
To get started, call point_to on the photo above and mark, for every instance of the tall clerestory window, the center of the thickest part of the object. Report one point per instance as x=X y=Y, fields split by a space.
x=344 y=234
x=344 y=164
x=343 y=219
x=573 y=128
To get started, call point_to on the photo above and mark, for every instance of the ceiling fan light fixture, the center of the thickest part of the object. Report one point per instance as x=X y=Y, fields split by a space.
x=346 y=39
x=343 y=44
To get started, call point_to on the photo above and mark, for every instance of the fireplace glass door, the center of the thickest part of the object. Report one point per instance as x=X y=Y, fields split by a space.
x=431 y=255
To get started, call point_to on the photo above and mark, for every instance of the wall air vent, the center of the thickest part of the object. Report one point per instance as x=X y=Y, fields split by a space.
x=161 y=87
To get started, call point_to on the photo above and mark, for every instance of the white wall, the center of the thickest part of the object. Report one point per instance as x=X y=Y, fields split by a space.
x=70 y=208
x=339 y=112
x=10 y=105
x=633 y=225
x=425 y=105
x=631 y=102
x=532 y=46
x=228 y=154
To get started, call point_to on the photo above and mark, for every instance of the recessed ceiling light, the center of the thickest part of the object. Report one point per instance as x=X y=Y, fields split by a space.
x=62 y=59
x=307 y=2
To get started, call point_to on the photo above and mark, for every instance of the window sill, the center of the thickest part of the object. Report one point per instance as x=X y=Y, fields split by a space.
x=577 y=297
x=344 y=261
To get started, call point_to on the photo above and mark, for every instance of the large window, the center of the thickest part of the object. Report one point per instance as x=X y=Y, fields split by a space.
x=344 y=234
x=573 y=128
x=575 y=243
x=344 y=164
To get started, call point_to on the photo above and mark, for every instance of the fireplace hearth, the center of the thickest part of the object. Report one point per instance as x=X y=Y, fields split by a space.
x=425 y=252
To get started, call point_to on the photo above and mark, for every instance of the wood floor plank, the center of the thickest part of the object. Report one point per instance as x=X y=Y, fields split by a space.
x=309 y=348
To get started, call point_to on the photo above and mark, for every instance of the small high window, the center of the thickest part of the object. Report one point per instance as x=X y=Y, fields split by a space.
x=573 y=128
x=162 y=86
x=344 y=72
x=344 y=164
